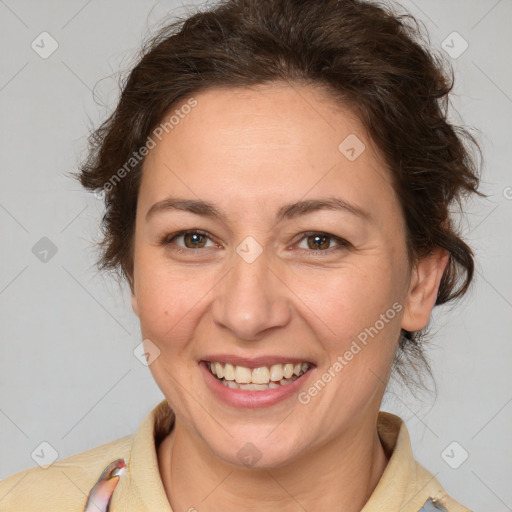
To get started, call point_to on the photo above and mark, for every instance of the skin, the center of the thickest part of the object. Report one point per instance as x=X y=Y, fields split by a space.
x=250 y=151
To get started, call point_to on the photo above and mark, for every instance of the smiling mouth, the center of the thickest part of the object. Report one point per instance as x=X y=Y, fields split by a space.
x=256 y=379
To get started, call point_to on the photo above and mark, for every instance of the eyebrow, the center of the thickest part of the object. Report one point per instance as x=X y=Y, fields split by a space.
x=286 y=212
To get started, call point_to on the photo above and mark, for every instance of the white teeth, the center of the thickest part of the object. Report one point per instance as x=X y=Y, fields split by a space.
x=261 y=378
x=219 y=370
x=261 y=375
x=276 y=372
x=229 y=371
x=254 y=387
x=243 y=375
x=288 y=370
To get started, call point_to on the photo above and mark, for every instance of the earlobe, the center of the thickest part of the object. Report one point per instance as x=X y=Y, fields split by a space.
x=423 y=289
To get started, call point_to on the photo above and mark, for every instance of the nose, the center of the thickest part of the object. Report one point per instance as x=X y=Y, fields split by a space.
x=252 y=299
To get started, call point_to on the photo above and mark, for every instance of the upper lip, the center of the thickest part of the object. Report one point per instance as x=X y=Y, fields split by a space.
x=253 y=362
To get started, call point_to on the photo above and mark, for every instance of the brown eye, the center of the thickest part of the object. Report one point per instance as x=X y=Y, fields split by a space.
x=192 y=239
x=317 y=241
x=195 y=240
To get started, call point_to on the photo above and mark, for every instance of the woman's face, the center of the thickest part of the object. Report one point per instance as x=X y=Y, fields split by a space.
x=267 y=276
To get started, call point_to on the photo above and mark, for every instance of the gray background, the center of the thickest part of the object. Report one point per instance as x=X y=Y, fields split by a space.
x=68 y=375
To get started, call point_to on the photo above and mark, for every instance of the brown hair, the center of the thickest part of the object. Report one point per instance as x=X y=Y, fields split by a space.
x=370 y=58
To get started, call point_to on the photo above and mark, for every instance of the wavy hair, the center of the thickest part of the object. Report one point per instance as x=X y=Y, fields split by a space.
x=370 y=58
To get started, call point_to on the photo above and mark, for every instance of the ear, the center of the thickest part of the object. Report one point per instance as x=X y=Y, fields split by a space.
x=421 y=298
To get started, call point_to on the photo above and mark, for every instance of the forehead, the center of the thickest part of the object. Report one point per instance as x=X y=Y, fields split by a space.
x=264 y=143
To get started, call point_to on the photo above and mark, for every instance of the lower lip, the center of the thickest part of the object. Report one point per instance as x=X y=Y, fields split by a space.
x=252 y=399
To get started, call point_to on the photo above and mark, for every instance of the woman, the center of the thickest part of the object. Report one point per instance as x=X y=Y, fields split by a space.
x=277 y=178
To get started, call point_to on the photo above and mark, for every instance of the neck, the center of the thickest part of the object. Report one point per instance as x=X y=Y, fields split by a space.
x=340 y=475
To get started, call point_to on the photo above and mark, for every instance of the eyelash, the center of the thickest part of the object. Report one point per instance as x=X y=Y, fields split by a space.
x=342 y=244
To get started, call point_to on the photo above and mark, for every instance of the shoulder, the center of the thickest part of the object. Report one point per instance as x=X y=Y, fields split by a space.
x=64 y=485
x=406 y=485
x=438 y=499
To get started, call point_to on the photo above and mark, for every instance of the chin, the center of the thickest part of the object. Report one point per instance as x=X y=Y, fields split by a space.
x=251 y=449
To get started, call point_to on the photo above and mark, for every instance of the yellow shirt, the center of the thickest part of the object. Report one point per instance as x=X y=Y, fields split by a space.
x=405 y=485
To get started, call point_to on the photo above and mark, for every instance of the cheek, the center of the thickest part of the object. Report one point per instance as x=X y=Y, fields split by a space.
x=168 y=305
x=171 y=301
x=164 y=301
x=360 y=314
x=358 y=343
x=350 y=300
